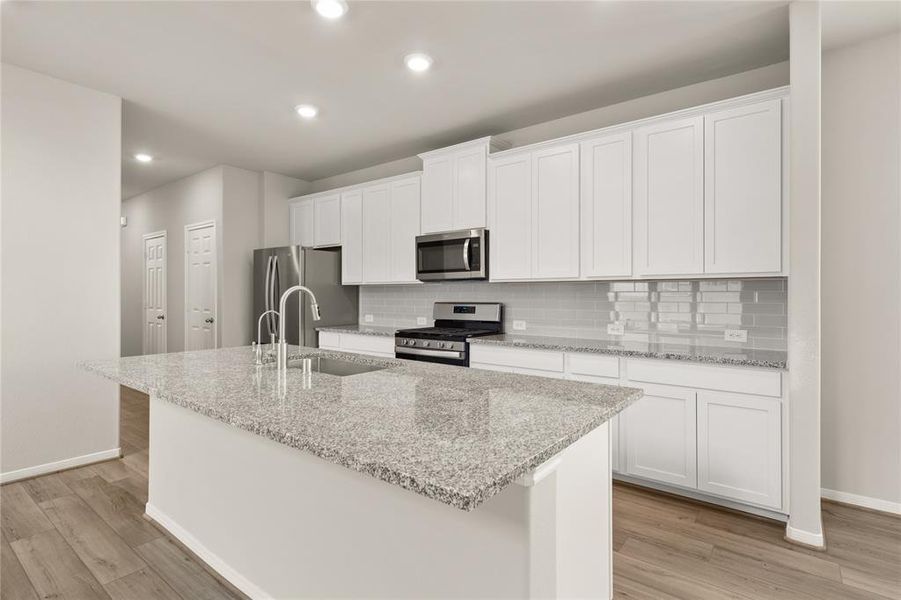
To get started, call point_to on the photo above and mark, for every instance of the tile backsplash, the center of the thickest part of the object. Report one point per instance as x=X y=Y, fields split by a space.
x=689 y=311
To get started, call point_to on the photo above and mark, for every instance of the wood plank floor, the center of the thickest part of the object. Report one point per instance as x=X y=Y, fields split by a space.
x=81 y=534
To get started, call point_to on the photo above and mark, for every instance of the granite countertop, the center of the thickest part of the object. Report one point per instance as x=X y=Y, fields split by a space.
x=747 y=357
x=453 y=434
x=361 y=329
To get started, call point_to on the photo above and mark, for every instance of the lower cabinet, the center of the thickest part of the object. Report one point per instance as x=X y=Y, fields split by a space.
x=374 y=345
x=740 y=447
x=660 y=435
x=706 y=428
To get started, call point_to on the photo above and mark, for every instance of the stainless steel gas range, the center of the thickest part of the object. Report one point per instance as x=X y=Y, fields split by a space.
x=446 y=342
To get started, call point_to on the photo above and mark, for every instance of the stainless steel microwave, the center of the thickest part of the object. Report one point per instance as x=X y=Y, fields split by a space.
x=454 y=255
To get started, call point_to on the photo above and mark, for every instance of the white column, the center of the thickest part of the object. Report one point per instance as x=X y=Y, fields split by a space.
x=805 y=522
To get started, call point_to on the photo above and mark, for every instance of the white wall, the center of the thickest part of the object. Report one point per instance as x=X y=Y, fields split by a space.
x=60 y=266
x=685 y=97
x=167 y=208
x=861 y=392
x=276 y=190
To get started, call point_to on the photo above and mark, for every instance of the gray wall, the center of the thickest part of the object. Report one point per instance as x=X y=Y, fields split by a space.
x=667 y=311
x=861 y=293
x=61 y=148
x=755 y=80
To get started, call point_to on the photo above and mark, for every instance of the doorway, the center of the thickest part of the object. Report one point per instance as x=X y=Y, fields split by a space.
x=201 y=268
x=154 y=293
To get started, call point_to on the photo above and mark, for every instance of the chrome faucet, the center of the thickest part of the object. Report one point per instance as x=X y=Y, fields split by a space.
x=282 y=342
x=258 y=348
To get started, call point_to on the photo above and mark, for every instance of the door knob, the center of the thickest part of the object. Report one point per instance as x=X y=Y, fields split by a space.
x=160 y=316
x=210 y=320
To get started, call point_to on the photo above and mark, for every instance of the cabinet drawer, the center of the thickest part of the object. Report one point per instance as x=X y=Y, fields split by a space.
x=593 y=365
x=540 y=360
x=727 y=379
x=330 y=339
x=517 y=370
x=367 y=344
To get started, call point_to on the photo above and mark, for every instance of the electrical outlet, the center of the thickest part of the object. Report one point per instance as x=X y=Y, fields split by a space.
x=519 y=325
x=421 y=321
x=368 y=318
x=616 y=329
x=735 y=335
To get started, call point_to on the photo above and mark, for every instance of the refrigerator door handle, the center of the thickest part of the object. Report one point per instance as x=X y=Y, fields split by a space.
x=274 y=288
x=266 y=297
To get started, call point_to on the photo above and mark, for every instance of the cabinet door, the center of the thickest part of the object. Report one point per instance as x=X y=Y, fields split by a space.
x=404 y=229
x=469 y=188
x=660 y=436
x=438 y=194
x=740 y=447
x=376 y=234
x=327 y=220
x=606 y=201
x=669 y=198
x=743 y=189
x=352 y=237
x=302 y=223
x=555 y=212
x=510 y=210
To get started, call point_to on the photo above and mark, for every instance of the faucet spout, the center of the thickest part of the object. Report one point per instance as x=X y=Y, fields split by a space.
x=258 y=350
x=282 y=342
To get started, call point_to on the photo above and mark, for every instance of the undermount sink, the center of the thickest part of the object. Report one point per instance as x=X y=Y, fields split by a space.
x=335 y=366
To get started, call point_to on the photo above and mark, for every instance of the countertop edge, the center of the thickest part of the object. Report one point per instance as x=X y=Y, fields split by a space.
x=626 y=353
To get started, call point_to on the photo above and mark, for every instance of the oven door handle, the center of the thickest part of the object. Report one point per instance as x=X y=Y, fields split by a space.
x=435 y=353
x=466 y=266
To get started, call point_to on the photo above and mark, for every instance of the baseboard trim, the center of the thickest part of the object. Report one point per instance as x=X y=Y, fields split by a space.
x=212 y=559
x=876 y=504
x=60 y=465
x=805 y=538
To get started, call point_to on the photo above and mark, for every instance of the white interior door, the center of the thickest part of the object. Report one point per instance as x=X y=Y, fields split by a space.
x=154 y=329
x=200 y=286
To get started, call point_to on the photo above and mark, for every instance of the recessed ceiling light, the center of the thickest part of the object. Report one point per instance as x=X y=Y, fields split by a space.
x=307 y=111
x=418 y=62
x=330 y=9
x=144 y=158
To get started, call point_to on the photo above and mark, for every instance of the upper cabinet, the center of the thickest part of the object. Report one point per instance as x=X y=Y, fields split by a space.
x=606 y=205
x=454 y=186
x=669 y=198
x=743 y=189
x=381 y=222
x=316 y=220
x=533 y=200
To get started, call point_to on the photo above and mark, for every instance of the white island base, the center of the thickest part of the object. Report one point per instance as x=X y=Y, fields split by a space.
x=277 y=522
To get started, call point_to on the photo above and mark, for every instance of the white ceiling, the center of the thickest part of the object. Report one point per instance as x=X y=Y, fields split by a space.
x=216 y=82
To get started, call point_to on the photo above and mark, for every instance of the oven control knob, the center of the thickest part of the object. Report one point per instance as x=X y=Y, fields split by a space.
x=425 y=344
x=445 y=345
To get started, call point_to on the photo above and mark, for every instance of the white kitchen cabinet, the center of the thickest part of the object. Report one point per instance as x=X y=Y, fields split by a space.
x=739 y=447
x=376 y=230
x=302 y=223
x=555 y=212
x=510 y=206
x=533 y=200
x=743 y=189
x=373 y=345
x=454 y=186
x=404 y=227
x=660 y=436
x=316 y=220
x=352 y=246
x=327 y=220
x=669 y=198
x=606 y=206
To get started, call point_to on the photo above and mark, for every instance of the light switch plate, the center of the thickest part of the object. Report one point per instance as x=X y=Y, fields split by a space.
x=368 y=318
x=421 y=321
x=616 y=329
x=735 y=335
x=519 y=325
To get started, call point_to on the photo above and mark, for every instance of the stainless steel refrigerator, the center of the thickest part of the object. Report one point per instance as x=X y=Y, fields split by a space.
x=277 y=269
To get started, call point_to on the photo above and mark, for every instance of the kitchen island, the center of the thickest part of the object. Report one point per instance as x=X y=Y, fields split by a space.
x=371 y=477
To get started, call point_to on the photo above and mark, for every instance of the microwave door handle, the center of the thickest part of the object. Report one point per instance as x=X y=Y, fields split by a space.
x=466 y=266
